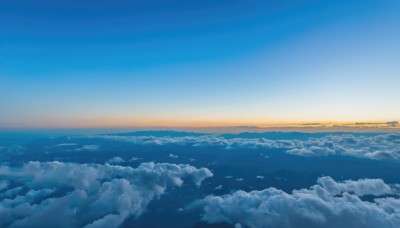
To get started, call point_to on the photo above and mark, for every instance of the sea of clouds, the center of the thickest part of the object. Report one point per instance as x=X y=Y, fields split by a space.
x=61 y=194
x=379 y=147
x=56 y=194
x=326 y=204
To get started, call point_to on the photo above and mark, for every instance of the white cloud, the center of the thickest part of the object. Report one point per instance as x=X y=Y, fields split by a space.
x=65 y=144
x=91 y=195
x=116 y=160
x=89 y=147
x=134 y=159
x=327 y=204
x=260 y=177
x=384 y=146
x=376 y=187
x=219 y=187
x=173 y=156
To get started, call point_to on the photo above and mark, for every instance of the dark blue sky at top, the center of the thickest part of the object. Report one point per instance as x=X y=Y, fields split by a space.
x=82 y=35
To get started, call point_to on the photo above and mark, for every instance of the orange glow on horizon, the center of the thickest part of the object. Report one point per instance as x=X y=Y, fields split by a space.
x=123 y=122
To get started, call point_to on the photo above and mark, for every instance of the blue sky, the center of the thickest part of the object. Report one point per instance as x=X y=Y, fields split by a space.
x=139 y=63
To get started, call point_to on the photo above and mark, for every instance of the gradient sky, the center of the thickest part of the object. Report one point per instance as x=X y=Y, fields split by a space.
x=69 y=63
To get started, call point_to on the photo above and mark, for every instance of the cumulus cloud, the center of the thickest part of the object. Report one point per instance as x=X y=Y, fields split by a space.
x=3 y=185
x=56 y=194
x=173 y=156
x=116 y=160
x=384 y=146
x=375 y=187
x=326 y=204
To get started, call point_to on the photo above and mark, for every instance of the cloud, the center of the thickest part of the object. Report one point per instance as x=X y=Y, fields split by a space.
x=134 y=159
x=379 y=147
x=3 y=185
x=219 y=187
x=375 y=187
x=65 y=144
x=393 y=123
x=385 y=146
x=173 y=156
x=326 y=204
x=89 y=147
x=57 y=194
x=116 y=160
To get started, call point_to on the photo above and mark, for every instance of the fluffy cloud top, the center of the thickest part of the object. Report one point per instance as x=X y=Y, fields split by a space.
x=56 y=194
x=385 y=146
x=375 y=187
x=327 y=204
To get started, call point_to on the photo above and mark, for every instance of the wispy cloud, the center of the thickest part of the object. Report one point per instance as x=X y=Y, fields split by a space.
x=89 y=148
x=65 y=144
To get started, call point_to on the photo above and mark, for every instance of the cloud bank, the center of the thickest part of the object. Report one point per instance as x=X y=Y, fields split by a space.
x=326 y=204
x=56 y=194
x=385 y=146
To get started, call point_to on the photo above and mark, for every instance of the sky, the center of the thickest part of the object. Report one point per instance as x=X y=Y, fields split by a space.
x=71 y=63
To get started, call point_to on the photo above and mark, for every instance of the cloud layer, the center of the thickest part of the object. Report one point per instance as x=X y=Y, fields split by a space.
x=83 y=195
x=385 y=146
x=326 y=204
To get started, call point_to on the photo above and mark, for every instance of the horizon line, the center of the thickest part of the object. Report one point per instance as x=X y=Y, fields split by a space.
x=354 y=127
